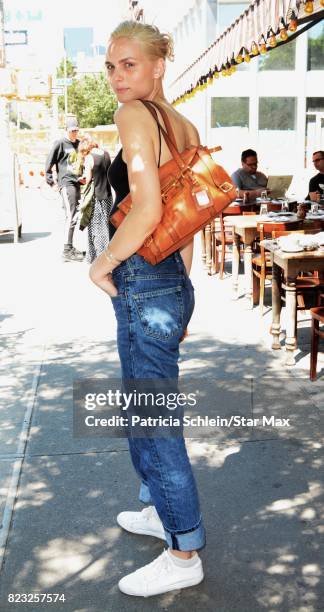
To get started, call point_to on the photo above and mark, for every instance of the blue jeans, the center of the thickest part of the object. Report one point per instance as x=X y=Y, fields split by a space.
x=153 y=308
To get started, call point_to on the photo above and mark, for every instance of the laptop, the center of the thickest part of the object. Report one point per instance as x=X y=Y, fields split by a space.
x=278 y=185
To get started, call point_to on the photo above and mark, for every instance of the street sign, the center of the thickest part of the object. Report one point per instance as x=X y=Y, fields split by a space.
x=16 y=37
x=59 y=91
x=64 y=82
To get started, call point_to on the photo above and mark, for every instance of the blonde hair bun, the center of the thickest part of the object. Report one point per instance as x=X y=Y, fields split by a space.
x=157 y=44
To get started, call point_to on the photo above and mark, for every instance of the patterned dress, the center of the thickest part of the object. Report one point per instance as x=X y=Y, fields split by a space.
x=98 y=234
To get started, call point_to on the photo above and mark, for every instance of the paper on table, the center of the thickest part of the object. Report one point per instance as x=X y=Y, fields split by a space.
x=278 y=185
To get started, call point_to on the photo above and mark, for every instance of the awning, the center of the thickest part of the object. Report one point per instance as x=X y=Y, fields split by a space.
x=264 y=25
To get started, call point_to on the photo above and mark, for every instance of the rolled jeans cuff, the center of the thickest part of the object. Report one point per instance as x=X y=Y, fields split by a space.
x=190 y=540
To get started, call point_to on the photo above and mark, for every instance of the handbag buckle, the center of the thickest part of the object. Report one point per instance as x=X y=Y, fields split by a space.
x=226 y=186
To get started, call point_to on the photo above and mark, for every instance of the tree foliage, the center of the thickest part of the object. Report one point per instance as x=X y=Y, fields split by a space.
x=70 y=69
x=316 y=48
x=89 y=98
x=280 y=58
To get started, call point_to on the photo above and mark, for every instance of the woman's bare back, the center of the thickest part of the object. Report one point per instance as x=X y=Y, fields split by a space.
x=185 y=133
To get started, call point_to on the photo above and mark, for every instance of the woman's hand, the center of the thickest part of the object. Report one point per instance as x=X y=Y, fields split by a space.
x=100 y=274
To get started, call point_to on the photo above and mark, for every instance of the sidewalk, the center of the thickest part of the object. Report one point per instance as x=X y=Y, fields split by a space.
x=260 y=487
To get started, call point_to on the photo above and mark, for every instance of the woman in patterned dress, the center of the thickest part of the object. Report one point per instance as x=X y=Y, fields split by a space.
x=96 y=164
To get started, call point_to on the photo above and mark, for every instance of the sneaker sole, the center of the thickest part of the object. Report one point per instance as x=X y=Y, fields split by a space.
x=67 y=260
x=183 y=584
x=149 y=532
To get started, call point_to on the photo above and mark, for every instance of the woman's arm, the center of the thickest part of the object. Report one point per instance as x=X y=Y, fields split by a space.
x=187 y=254
x=134 y=125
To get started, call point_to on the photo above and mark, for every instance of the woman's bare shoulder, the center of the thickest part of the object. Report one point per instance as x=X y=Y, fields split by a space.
x=192 y=134
x=128 y=111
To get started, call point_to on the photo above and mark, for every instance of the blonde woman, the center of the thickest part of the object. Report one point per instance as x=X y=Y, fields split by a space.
x=153 y=305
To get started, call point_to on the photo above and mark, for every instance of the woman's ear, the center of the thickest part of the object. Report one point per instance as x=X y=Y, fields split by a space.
x=159 y=68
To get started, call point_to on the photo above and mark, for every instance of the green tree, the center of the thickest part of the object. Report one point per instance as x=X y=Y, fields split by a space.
x=70 y=69
x=91 y=100
x=316 y=48
x=280 y=58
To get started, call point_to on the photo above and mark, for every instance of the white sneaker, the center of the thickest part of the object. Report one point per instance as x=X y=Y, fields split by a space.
x=161 y=576
x=146 y=522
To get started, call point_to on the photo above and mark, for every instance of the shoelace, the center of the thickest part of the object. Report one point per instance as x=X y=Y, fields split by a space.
x=162 y=562
x=148 y=513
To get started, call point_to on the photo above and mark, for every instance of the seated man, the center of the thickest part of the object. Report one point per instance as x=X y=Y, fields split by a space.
x=316 y=184
x=247 y=179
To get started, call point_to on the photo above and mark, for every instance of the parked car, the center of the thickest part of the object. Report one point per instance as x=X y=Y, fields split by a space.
x=10 y=199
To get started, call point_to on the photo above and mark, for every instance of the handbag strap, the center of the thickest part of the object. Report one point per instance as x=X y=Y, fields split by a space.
x=169 y=136
x=165 y=118
x=168 y=133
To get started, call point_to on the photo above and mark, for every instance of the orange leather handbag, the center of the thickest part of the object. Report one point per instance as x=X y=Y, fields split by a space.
x=194 y=190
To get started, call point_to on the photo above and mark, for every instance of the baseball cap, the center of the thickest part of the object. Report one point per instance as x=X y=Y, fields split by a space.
x=72 y=124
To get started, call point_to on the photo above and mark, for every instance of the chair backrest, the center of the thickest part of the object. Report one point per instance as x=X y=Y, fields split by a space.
x=274 y=207
x=266 y=229
x=313 y=225
x=237 y=209
x=232 y=210
x=278 y=233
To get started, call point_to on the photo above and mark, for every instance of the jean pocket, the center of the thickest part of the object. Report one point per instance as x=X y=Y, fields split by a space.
x=161 y=312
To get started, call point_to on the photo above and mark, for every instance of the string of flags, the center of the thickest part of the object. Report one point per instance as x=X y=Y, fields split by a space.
x=262 y=27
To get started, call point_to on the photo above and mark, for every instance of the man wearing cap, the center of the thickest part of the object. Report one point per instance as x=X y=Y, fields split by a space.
x=64 y=157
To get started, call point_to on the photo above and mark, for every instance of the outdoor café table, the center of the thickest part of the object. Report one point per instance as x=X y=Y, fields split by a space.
x=291 y=264
x=245 y=230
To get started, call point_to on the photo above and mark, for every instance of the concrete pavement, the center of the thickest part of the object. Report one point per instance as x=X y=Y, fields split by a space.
x=260 y=487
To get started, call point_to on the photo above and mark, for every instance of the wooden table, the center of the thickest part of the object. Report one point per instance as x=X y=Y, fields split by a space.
x=291 y=264
x=245 y=231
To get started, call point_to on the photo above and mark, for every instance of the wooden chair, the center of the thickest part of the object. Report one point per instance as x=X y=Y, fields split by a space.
x=223 y=234
x=261 y=262
x=274 y=207
x=207 y=236
x=317 y=315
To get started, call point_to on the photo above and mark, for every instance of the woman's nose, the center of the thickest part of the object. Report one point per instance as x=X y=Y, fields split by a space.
x=117 y=77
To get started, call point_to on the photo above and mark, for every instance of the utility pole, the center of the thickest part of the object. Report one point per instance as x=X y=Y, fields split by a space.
x=2 y=43
x=65 y=83
x=3 y=102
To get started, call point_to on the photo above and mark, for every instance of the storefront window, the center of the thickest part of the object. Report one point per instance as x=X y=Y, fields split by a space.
x=281 y=58
x=315 y=58
x=315 y=105
x=277 y=113
x=229 y=112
